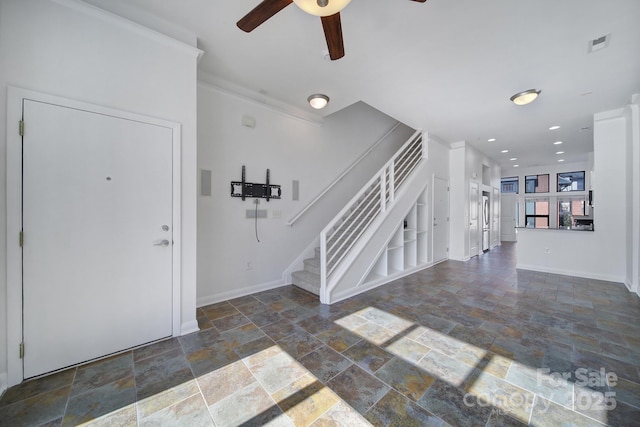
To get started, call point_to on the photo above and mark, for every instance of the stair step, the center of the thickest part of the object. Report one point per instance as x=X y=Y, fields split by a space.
x=307 y=281
x=312 y=265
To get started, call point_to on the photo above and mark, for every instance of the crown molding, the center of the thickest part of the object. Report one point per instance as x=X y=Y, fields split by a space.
x=131 y=26
x=211 y=82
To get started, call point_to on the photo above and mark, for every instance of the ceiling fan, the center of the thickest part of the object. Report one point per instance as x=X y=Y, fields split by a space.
x=327 y=10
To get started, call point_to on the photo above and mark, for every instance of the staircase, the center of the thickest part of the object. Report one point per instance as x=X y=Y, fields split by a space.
x=344 y=231
x=309 y=278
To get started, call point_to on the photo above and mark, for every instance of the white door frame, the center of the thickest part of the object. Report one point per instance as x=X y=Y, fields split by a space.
x=14 y=213
x=433 y=207
x=478 y=232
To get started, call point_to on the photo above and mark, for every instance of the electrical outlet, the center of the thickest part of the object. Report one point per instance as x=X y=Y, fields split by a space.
x=547 y=251
x=256 y=201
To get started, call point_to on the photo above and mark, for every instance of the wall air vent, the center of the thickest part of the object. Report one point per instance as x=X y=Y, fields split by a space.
x=599 y=43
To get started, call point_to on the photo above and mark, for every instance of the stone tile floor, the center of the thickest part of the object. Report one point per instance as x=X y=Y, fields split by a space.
x=461 y=344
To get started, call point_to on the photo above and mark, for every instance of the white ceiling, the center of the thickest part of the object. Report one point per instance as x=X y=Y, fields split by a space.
x=448 y=67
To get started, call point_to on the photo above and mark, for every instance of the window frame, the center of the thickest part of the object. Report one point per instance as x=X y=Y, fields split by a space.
x=537 y=215
x=570 y=200
x=564 y=190
x=536 y=177
x=507 y=180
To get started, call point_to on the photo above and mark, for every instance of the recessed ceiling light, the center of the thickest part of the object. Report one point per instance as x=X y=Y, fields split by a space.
x=504 y=151
x=557 y=143
x=516 y=166
x=559 y=152
x=561 y=160
x=554 y=127
x=491 y=139
x=513 y=158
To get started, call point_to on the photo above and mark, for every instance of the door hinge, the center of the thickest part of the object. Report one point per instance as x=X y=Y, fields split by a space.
x=21 y=239
x=21 y=126
x=21 y=350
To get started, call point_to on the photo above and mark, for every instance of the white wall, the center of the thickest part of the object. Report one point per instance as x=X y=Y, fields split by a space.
x=466 y=165
x=632 y=117
x=231 y=262
x=70 y=49
x=459 y=203
x=603 y=253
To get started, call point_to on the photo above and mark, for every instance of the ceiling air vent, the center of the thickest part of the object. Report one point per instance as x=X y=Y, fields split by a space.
x=599 y=43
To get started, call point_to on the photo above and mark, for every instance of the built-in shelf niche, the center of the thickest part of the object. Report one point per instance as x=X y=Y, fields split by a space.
x=408 y=246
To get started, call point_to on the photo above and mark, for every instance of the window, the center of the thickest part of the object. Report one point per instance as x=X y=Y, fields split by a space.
x=509 y=185
x=567 y=209
x=536 y=183
x=571 y=181
x=537 y=213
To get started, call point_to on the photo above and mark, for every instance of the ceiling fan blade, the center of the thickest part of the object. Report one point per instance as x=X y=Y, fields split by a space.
x=333 y=35
x=261 y=13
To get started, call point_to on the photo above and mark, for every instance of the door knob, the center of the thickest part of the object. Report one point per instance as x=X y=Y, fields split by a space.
x=164 y=243
x=165 y=228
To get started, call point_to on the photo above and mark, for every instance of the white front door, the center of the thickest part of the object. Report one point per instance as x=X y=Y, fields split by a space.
x=474 y=219
x=440 y=219
x=97 y=222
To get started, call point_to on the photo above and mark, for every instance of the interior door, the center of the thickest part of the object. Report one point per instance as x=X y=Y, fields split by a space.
x=474 y=219
x=97 y=222
x=440 y=219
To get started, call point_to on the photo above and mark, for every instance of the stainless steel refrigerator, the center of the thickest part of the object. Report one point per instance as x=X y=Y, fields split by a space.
x=485 y=223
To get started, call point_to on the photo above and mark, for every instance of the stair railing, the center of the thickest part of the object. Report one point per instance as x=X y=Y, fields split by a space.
x=378 y=195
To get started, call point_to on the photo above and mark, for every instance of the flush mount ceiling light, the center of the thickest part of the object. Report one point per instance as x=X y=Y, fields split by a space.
x=318 y=101
x=554 y=127
x=322 y=7
x=526 y=97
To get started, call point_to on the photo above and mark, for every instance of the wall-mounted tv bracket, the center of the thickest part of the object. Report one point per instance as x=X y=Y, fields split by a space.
x=246 y=189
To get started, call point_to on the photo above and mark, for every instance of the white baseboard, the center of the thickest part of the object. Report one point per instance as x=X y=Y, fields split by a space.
x=237 y=293
x=630 y=286
x=586 y=275
x=4 y=383
x=348 y=293
x=189 y=327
